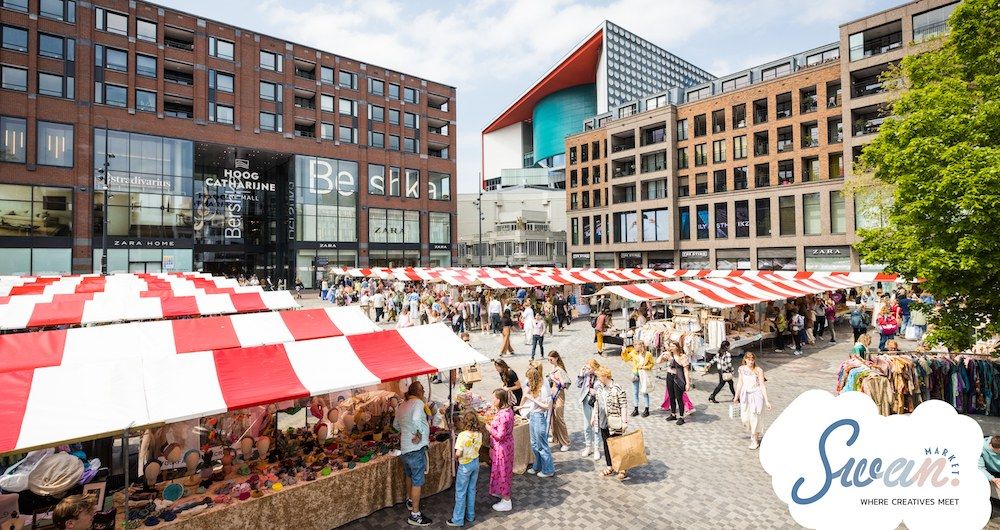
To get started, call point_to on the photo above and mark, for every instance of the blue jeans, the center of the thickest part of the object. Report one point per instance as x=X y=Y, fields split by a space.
x=414 y=465
x=536 y=340
x=883 y=338
x=465 y=492
x=539 y=430
x=906 y=324
x=590 y=435
x=635 y=394
x=495 y=322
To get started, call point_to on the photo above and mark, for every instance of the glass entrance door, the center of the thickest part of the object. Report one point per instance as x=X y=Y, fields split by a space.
x=147 y=267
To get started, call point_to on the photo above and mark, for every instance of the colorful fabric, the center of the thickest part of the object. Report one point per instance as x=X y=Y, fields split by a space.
x=501 y=431
x=469 y=443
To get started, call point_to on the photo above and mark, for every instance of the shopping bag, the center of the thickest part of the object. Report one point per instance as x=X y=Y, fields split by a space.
x=733 y=411
x=627 y=450
x=471 y=374
x=911 y=333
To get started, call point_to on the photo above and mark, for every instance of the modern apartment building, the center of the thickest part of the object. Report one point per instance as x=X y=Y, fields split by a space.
x=610 y=66
x=216 y=148
x=746 y=171
x=521 y=226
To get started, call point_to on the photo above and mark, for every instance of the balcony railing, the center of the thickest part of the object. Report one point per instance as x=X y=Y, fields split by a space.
x=784 y=145
x=305 y=133
x=877 y=46
x=304 y=74
x=864 y=126
x=867 y=87
x=626 y=171
x=810 y=141
x=622 y=147
x=178 y=44
x=783 y=111
x=179 y=78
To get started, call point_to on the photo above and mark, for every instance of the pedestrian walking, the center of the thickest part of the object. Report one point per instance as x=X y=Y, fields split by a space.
x=601 y=325
x=467 y=445
x=535 y=404
x=609 y=416
x=831 y=319
x=537 y=335
x=641 y=361
x=495 y=308
x=527 y=319
x=678 y=381
x=588 y=383
x=887 y=327
x=508 y=325
x=723 y=362
x=501 y=431
x=859 y=320
x=751 y=395
x=559 y=381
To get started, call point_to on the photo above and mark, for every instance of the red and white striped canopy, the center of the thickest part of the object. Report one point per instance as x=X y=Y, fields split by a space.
x=733 y=291
x=90 y=392
x=93 y=309
x=179 y=283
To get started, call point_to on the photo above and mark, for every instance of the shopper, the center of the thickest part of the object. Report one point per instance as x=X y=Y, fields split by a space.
x=405 y=319
x=537 y=334
x=508 y=325
x=667 y=394
x=918 y=321
x=558 y=380
x=378 y=302
x=510 y=381
x=561 y=311
x=588 y=383
x=797 y=325
x=678 y=380
x=75 y=512
x=501 y=431
x=780 y=327
x=989 y=461
x=414 y=433
x=751 y=394
x=723 y=362
x=527 y=319
x=298 y=287
x=536 y=404
x=609 y=417
x=831 y=319
x=887 y=327
x=819 y=318
x=601 y=325
x=549 y=313
x=905 y=312
x=494 y=309
x=641 y=361
x=861 y=346
x=859 y=321
x=467 y=445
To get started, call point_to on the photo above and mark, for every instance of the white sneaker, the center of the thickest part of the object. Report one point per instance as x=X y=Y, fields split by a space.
x=797 y=352
x=597 y=455
x=502 y=506
x=550 y=439
x=564 y=448
x=545 y=475
x=532 y=471
x=754 y=444
x=585 y=452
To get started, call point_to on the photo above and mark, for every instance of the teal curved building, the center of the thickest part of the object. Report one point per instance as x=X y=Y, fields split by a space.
x=559 y=115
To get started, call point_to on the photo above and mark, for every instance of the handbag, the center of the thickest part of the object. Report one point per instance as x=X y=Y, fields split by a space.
x=727 y=376
x=591 y=400
x=627 y=450
x=471 y=374
x=615 y=424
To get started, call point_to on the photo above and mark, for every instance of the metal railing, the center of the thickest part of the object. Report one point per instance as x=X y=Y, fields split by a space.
x=877 y=46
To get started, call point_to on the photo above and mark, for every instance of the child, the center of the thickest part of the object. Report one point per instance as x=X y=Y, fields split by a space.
x=467 y=445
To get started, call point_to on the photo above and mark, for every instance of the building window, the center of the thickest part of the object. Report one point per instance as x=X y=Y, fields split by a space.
x=113 y=95
x=718 y=121
x=701 y=218
x=269 y=122
x=822 y=57
x=760 y=111
x=376 y=113
x=700 y=126
x=784 y=139
x=145 y=30
x=786 y=174
x=220 y=81
x=222 y=49
x=393 y=142
x=14 y=78
x=410 y=95
x=111 y=58
x=701 y=184
x=326 y=131
x=393 y=91
x=111 y=21
x=35 y=211
x=376 y=139
x=786 y=215
x=55 y=144
x=55 y=85
x=740 y=178
x=762 y=175
x=439 y=225
x=347 y=79
x=810 y=134
x=742 y=218
x=376 y=179
x=56 y=47
x=682 y=158
x=145 y=65
x=439 y=186
x=655 y=225
x=411 y=145
x=739 y=147
x=625 y=229
x=58 y=9
x=684 y=222
x=326 y=75
x=682 y=130
x=574 y=231
x=719 y=151
x=145 y=100
x=650 y=162
x=810 y=169
x=13 y=131
x=376 y=86
x=348 y=135
x=655 y=189
x=393 y=117
x=762 y=215
x=932 y=23
x=810 y=214
x=838 y=217
x=783 y=105
x=733 y=84
x=700 y=159
x=220 y=113
x=836 y=166
x=16 y=5
x=271 y=61
x=739 y=116
x=393 y=226
x=326 y=103
x=719 y=180
x=15 y=39
x=775 y=72
x=348 y=107
x=269 y=91
x=411 y=120
x=721 y=220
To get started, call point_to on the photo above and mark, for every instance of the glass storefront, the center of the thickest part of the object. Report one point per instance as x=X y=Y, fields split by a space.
x=313 y=264
x=777 y=259
x=36 y=229
x=440 y=258
x=604 y=260
x=733 y=259
x=836 y=258
x=694 y=259
x=630 y=260
x=660 y=260
x=581 y=260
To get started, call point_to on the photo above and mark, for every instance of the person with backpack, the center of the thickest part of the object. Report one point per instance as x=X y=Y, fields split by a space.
x=859 y=321
x=887 y=327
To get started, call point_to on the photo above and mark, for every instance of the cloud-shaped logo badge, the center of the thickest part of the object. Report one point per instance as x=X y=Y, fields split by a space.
x=837 y=463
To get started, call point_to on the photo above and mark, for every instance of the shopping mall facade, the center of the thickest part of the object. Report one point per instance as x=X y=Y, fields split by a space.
x=229 y=151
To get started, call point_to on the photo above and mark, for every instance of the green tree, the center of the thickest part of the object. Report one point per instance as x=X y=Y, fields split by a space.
x=939 y=153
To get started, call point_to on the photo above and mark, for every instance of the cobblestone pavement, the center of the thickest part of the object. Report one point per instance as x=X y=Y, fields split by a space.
x=700 y=474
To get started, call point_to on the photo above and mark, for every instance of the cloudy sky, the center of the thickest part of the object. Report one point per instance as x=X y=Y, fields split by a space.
x=493 y=50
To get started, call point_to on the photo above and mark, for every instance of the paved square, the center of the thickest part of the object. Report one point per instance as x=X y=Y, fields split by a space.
x=700 y=475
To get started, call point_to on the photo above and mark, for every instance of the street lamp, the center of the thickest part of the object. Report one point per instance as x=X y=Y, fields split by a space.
x=103 y=171
x=479 y=206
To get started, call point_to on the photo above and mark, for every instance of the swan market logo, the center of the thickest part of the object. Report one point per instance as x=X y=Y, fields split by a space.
x=837 y=463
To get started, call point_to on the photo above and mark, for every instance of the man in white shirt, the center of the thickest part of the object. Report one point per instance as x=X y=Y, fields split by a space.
x=414 y=433
x=527 y=317
x=495 y=307
x=378 y=300
x=537 y=335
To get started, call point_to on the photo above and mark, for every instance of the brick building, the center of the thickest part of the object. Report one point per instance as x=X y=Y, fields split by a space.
x=230 y=151
x=746 y=171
